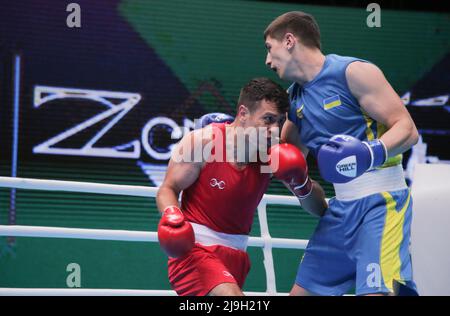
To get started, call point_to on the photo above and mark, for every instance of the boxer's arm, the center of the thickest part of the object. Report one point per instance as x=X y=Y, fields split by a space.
x=176 y=235
x=290 y=135
x=315 y=203
x=181 y=173
x=179 y=176
x=379 y=100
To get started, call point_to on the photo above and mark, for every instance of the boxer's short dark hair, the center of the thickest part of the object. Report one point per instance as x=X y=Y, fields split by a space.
x=301 y=24
x=259 y=89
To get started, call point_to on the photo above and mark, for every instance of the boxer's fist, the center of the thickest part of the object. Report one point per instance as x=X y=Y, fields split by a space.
x=291 y=168
x=213 y=118
x=175 y=234
x=344 y=158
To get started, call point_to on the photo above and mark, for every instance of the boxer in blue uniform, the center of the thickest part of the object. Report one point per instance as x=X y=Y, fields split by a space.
x=344 y=111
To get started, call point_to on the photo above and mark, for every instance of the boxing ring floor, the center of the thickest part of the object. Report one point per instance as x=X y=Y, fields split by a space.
x=264 y=241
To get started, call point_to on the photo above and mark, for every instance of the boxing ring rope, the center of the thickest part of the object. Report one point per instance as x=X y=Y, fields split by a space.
x=265 y=241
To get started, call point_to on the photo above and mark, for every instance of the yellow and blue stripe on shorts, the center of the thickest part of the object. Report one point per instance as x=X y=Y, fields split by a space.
x=361 y=243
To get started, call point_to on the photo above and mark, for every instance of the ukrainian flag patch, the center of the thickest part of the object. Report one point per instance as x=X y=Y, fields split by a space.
x=331 y=102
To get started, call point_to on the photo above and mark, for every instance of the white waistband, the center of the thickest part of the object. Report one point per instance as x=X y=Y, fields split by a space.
x=375 y=181
x=208 y=237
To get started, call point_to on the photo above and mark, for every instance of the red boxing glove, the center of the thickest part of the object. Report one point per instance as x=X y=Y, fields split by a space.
x=291 y=168
x=175 y=234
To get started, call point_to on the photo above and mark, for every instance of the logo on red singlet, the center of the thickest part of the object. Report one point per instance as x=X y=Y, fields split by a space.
x=227 y=274
x=215 y=183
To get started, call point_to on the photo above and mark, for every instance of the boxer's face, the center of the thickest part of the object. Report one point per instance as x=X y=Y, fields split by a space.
x=278 y=57
x=265 y=117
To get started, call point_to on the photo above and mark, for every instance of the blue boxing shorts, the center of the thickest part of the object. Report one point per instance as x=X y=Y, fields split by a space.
x=361 y=244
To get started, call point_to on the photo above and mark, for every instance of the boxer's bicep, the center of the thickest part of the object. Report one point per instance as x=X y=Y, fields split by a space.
x=379 y=100
x=181 y=175
x=182 y=171
x=374 y=93
x=184 y=167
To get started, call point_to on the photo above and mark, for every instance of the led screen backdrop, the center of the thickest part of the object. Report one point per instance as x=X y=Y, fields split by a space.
x=105 y=103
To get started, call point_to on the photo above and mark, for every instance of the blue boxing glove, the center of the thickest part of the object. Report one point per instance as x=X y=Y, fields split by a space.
x=213 y=118
x=344 y=158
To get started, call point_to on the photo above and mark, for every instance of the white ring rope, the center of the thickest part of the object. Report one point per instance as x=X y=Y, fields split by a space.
x=265 y=241
x=98 y=292
x=82 y=292
x=118 y=189
x=123 y=235
x=74 y=186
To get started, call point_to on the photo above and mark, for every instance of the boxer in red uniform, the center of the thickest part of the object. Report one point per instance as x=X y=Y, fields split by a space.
x=206 y=237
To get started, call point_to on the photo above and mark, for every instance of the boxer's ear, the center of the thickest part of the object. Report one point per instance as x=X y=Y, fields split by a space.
x=243 y=114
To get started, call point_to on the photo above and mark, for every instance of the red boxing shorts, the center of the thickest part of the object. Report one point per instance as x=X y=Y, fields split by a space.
x=205 y=267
